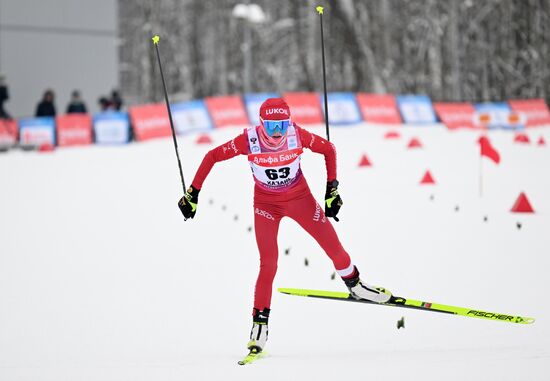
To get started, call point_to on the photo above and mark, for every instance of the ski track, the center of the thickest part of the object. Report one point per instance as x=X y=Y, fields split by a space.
x=101 y=278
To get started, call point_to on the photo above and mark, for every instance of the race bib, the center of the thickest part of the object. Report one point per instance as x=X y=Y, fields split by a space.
x=275 y=170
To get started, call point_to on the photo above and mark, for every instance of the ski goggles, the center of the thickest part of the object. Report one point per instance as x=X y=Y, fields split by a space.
x=272 y=126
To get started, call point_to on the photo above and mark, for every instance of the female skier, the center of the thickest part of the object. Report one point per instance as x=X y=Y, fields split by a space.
x=273 y=149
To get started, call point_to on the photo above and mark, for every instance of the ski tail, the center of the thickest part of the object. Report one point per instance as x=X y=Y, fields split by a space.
x=396 y=301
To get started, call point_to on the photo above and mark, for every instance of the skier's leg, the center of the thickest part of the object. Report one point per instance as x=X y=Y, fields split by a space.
x=266 y=226
x=309 y=214
x=267 y=218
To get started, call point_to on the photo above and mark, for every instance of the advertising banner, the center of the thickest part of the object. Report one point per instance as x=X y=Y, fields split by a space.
x=342 y=108
x=253 y=103
x=416 y=109
x=379 y=108
x=227 y=111
x=535 y=111
x=455 y=115
x=497 y=115
x=112 y=128
x=305 y=108
x=37 y=131
x=150 y=121
x=74 y=129
x=8 y=132
x=191 y=116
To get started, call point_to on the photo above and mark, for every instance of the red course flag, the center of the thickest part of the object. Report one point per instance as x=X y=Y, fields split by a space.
x=488 y=150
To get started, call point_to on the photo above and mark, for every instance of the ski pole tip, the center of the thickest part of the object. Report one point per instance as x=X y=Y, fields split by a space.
x=320 y=9
x=156 y=39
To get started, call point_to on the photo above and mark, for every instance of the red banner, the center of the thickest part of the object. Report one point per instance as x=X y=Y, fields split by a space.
x=379 y=108
x=8 y=132
x=305 y=108
x=74 y=129
x=535 y=110
x=150 y=121
x=227 y=111
x=456 y=115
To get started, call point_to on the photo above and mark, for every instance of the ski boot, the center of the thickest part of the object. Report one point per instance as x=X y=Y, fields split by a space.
x=258 y=334
x=360 y=290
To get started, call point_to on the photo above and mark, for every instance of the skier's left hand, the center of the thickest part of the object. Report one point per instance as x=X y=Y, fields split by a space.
x=333 y=201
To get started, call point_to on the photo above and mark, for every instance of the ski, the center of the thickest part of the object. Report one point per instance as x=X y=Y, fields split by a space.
x=396 y=301
x=252 y=356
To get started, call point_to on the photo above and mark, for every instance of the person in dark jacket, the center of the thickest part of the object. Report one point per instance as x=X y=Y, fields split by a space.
x=4 y=96
x=46 y=106
x=116 y=100
x=76 y=105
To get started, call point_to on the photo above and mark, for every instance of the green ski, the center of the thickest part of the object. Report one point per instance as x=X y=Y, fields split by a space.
x=252 y=356
x=396 y=301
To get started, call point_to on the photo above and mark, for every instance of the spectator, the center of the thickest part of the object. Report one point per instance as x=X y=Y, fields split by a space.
x=76 y=105
x=116 y=100
x=104 y=104
x=46 y=106
x=4 y=96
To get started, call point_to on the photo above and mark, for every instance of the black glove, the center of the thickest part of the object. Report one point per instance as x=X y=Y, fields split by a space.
x=333 y=201
x=188 y=203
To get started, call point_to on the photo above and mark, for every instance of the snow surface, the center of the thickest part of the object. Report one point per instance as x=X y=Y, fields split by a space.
x=101 y=278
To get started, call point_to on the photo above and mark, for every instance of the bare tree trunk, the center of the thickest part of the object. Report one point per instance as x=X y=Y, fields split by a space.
x=346 y=11
x=455 y=82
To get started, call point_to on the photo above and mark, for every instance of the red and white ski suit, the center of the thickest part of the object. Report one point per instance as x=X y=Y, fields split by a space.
x=281 y=191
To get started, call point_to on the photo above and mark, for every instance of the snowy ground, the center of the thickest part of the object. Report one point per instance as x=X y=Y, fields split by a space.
x=101 y=278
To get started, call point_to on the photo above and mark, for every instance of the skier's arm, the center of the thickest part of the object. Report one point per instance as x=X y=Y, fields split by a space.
x=238 y=146
x=333 y=201
x=322 y=146
x=228 y=150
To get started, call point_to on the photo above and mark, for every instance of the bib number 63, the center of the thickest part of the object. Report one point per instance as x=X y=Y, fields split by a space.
x=281 y=173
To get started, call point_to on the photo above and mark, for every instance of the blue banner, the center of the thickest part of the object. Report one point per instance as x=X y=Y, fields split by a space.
x=253 y=102
x=342 y=108
x=416 y=109
x=191 y=116
x=496 y=115
x=111 y=127
x=37 y=131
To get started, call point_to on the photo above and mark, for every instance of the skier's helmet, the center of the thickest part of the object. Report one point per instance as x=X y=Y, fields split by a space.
x=274 y=119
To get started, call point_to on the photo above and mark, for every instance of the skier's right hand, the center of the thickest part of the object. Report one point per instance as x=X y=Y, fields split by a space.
x=188 y=203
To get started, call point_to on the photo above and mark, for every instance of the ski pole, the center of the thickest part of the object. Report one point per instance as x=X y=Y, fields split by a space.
x=156 y=40
x=320 y=10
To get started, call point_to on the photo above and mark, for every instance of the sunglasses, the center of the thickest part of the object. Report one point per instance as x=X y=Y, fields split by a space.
x=272 y=126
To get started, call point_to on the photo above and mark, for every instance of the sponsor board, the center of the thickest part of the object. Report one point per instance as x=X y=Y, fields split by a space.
x=455 y=115
x=342 y=108
x=379 y=108
x=74 y=129
x=37 y=131
x=535 y=111
x=150 y=121
x=111 y=128
x=416 y=109
x=227 y=111
x=191 y=116
x=305 y=108
x=8 y=132
x=497 y=115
